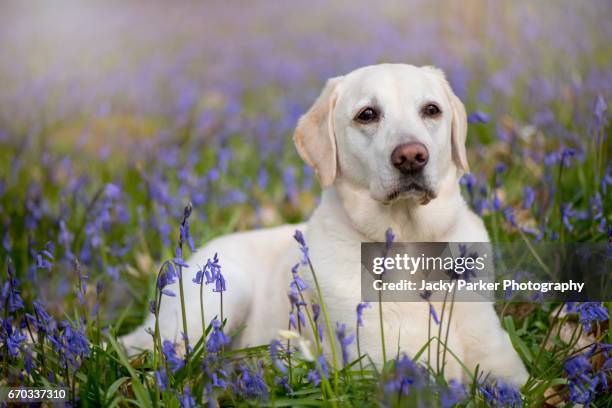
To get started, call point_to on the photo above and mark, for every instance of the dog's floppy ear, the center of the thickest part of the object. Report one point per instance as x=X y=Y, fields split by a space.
x=459 y=123
x=314 y=136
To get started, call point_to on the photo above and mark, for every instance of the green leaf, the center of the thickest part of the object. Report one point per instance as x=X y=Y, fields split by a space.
x=517 y=342
x=112 y=389
x=139 y=390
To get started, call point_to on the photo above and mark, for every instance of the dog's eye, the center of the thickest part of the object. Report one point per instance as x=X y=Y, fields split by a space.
x=367 y=115
x=431 y=110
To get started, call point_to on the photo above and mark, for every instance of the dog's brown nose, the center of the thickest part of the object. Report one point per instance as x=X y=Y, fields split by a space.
x=410 y=157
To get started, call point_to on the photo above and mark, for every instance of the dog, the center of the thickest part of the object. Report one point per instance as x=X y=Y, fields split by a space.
x=387 y=143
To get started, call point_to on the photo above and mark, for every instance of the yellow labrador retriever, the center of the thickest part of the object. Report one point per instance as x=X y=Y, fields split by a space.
x=388 y=145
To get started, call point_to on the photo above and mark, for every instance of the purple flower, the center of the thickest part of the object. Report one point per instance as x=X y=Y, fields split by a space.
x=599 y=111
x=478 y=117
x=186 y=400
x=453 y=394
x=212 y=273
x=70 y=343
x=360 y=308
x=297 y=283
x=220 y=283
x=434 y=315
x=528 y=197
x=313 y=377
x=217 y=339
x=262 y=178
x=174 y=361
x=323 y=366
x=591 y=312
x=389 y=238
x=344 y=340
x=469 y=181
x=501 y=395
x=403 y=378
x=251 y=384
x=566 y=156
x=299 y=237
x=566 y=214
x=10 y=294
x=11 y=337
x=275 y=348
x=582 y=382
x=28 y=361
x=316 y=312
x=161 y=377
x=167 y=276
x=509 y=215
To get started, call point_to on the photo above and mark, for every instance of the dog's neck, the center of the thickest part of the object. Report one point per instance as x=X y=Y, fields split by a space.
x=409 y=220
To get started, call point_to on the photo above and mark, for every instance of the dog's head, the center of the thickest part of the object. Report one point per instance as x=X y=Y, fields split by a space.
x=396 y=130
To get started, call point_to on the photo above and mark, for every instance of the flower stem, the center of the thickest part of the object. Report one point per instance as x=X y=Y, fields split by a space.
x=382 y=328
x=202 y=312
x=328 y=324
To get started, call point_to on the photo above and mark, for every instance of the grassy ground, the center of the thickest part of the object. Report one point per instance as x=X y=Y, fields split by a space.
x=112 y=120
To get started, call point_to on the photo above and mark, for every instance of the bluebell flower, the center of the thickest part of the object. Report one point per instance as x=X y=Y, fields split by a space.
x=178 y=261
x=478 y=117
x=11 y=337
x=316 y=312
x=453 y=394
x=10 y=295
x=174 y=361
x=360 y=308
x=551 y=158
x=322 y=364
x=599 y=111
x=389 y=239
x=70 y=343
x=591 y=312
x=262 y=178
x=289 y=183
x=313 y=377
x=405 y=376
x=567 y=213
x=284 y=381
x=167 y=276
x=275 y=348
x=112 y=191
x=217 y=339
x=344 y=340
x=297 y=282
x=199 y=277
x=528 y=197
x=433 y=314
x=212 y=273
x=299 y=237
x=44 y=258
x=597 y=211
x=28 y=361
x=251 y=384
x=509 y=215
x=501 y=394
x=43 y=322
x=581 y=381
x=186 y=400
x=220 y=283
x=161 y=378
x=496 y=205
x=469 y=181
x=566 y=156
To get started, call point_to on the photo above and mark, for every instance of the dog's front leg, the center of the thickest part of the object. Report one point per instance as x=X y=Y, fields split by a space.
x=485 y=343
